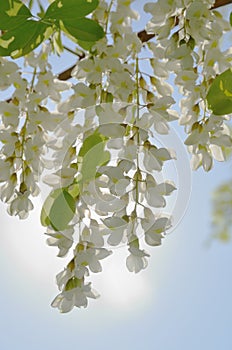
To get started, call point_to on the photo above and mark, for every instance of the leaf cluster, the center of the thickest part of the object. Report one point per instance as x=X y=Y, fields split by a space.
x=22 y=32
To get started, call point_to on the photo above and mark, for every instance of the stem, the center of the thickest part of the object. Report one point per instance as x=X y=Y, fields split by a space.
x=74 y=52
x=32 y=81
x=24 y=127
x=107 y=13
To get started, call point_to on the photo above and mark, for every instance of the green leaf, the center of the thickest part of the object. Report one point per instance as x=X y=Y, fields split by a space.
x=62 y=211
x=231 y=18
x=41 y=12
x=23 y=39
x=74 y=190
x=44 y=216
x=13 y=14
x=30 y=5
x=86 y=45
x=74 y=9
x=90 y=142
x=69 y=15
x=93 y=155
x=84 y=29
x=92 y=160
x=219 y=96
x=58 y=209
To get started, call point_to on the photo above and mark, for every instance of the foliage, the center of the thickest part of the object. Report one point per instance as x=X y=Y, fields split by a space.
x=23 y=32
x=95 y=141
x=219 y=96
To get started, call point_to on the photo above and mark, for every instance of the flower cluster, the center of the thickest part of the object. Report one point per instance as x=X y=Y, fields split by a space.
x=71 y=281
x=99 y=140
x=119 y=199
x=187 y=43
x=25 y=126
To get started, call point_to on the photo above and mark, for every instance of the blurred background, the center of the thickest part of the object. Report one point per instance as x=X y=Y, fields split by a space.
x=183 y=300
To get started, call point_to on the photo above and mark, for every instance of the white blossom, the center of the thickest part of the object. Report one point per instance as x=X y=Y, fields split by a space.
x=76 y=296
x=91 y=257
x=136 y=261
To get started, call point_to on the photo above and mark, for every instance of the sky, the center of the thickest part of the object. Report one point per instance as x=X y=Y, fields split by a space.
x=181 y=301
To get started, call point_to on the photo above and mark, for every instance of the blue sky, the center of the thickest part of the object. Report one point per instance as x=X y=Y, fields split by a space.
x=181 y=301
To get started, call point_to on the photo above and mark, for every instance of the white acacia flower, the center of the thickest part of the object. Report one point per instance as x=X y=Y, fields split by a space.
x=159 y=67
x=51 y=87
x=76 y=294
x=21 y=205
x=5 y=170
x=21 y=89
x=206 y=158
x=155 y=157
x=63 y=277
x=122 y=17
x=161 y=86
x=186 y=79
x=217 y=152
x=116 y=229
x=154 y=227
x=38 y=60
x=215 y=61
x=8 y=189
x=61 y=178
x=112 y=130
x=154 y=199
x=40 y=115
x=90 y=257
x=90 y=69
x=81 y=271
x=129 y=151
x=109 y=113
x=30 y=179
x=84 y=97
x=63 y=240
x=92 y=234
x=7 y=70
x=108 y=203
x=121 y=85
x=161 y=10
x=136 y=261
x=10 y=114
x=155 y=192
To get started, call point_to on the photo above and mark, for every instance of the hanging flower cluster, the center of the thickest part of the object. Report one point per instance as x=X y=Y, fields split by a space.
x=187 y=44
x=25 y=124
x=97 y=137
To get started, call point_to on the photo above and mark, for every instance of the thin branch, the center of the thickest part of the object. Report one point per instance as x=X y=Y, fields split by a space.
x=143 y=36
x=219 y=3
x=66 y=74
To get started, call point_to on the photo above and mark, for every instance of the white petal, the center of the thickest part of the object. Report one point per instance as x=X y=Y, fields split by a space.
x=152 y=238
x=155 y=199
x=114 y=222
x=217 y=153
x=116 y=237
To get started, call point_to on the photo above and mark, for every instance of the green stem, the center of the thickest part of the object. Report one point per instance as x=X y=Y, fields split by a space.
x=24 y=127
x=73 y=52
x=108 y=12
